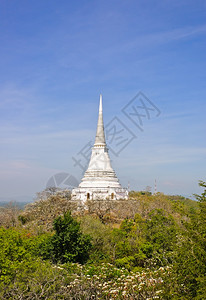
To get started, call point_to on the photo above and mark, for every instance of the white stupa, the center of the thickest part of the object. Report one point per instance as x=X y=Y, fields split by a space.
x=100 y=181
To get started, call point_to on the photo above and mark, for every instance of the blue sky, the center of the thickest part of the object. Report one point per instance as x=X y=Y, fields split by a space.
x=58 y=56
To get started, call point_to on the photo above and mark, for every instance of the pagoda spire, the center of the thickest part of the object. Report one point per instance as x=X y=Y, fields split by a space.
x=100 y=181
x=100 y=136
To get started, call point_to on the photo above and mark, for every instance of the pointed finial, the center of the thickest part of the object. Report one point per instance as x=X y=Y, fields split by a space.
x=100 y=137
x=100 y=103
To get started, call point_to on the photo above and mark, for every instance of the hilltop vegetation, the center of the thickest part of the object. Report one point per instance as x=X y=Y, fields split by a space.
x=147 y=247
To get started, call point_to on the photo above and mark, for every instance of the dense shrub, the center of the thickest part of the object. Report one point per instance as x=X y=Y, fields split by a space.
x=68 y=244
x=18 y=250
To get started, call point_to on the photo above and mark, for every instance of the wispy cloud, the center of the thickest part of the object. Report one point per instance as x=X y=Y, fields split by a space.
x=155 y=39
x=176 y=34
x=14 y=97
x=15 y=135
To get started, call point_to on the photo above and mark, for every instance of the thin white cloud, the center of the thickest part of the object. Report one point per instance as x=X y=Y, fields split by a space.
x=155 y=38
x=17 y=136
x=163 y=154
x=176 y=34
x=14 y=97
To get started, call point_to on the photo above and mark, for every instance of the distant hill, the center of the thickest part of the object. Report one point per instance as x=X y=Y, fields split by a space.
x=20 y=205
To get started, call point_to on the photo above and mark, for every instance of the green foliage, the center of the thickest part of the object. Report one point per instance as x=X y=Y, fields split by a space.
x=161 y=230
x=12 y=252
x=101 y=236
x=36 y=280
x=127 y=262
x=17 y=249
x=189 y=261
x=151 y=246
x=68 y=244
x=22 y=219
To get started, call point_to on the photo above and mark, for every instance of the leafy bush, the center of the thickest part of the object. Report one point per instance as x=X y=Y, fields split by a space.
x=68 y=244
x=101 y=237
x=18 y=249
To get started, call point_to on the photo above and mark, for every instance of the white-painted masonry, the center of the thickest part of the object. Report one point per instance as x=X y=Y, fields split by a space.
x=100 y=181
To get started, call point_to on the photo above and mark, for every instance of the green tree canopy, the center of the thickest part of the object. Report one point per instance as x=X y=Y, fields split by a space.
x=68 y=244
